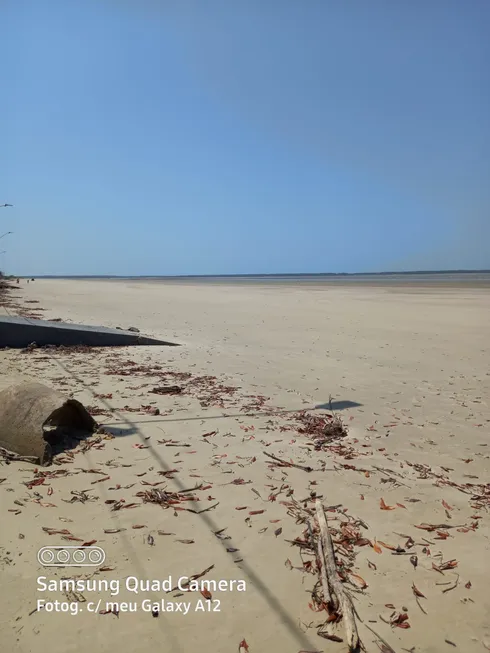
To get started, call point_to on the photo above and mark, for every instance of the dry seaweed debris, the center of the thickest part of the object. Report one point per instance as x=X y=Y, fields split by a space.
x=60 y=349
x=168 y=499
x=8 y=301
x=321 y=429
x=208 y=390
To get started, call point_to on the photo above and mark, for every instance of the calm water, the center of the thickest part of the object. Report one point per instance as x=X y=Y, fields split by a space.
x=413 y=279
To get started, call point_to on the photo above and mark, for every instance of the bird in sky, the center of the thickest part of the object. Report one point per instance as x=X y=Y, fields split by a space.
x=2 y=205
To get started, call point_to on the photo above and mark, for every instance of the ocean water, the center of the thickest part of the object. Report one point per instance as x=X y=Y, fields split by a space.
x=383 y=278
x=414 y=279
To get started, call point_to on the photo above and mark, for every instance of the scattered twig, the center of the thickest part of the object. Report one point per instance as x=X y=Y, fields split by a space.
x=452 y=587
x=285 y=463
x=388 y=648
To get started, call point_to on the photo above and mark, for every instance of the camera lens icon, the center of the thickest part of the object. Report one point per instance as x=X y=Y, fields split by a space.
x=96 y=556
x=79 y=556
x=46 y=556
x=71 y=556
x=63 y=556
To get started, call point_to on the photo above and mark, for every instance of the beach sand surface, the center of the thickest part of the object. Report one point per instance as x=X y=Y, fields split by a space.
x=408 y=370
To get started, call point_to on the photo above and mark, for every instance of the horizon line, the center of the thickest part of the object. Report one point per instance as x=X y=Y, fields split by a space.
x=249 y=275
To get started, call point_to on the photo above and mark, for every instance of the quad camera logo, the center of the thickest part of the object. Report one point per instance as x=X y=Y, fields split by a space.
x=71 y=556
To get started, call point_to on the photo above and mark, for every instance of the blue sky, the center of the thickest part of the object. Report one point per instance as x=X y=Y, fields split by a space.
x=159 y=137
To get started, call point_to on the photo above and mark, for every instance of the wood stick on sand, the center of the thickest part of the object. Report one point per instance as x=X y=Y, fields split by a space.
x=337 y=591
x=327 y=597
x=285 y=463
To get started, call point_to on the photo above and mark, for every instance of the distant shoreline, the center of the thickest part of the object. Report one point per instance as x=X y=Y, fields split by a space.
x=286 y=275
x=423 y=280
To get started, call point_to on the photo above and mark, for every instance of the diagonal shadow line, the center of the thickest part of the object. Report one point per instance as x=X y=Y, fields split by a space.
x=164 y=625
x=277 y=413
x=270 y=598
x=210 y=417
x=115 y=517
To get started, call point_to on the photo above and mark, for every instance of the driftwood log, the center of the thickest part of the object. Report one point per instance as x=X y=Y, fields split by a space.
x=334 y=593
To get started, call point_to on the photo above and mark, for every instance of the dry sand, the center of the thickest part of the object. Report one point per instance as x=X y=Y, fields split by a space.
x=407 y=370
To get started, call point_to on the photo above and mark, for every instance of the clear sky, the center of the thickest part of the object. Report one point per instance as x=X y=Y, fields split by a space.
x=244 y=136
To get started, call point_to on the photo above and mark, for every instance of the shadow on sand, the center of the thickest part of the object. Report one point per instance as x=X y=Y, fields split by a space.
x=116 y=430
x=272 y=599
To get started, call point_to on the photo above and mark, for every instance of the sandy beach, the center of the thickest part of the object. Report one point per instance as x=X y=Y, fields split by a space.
x=406 y=491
